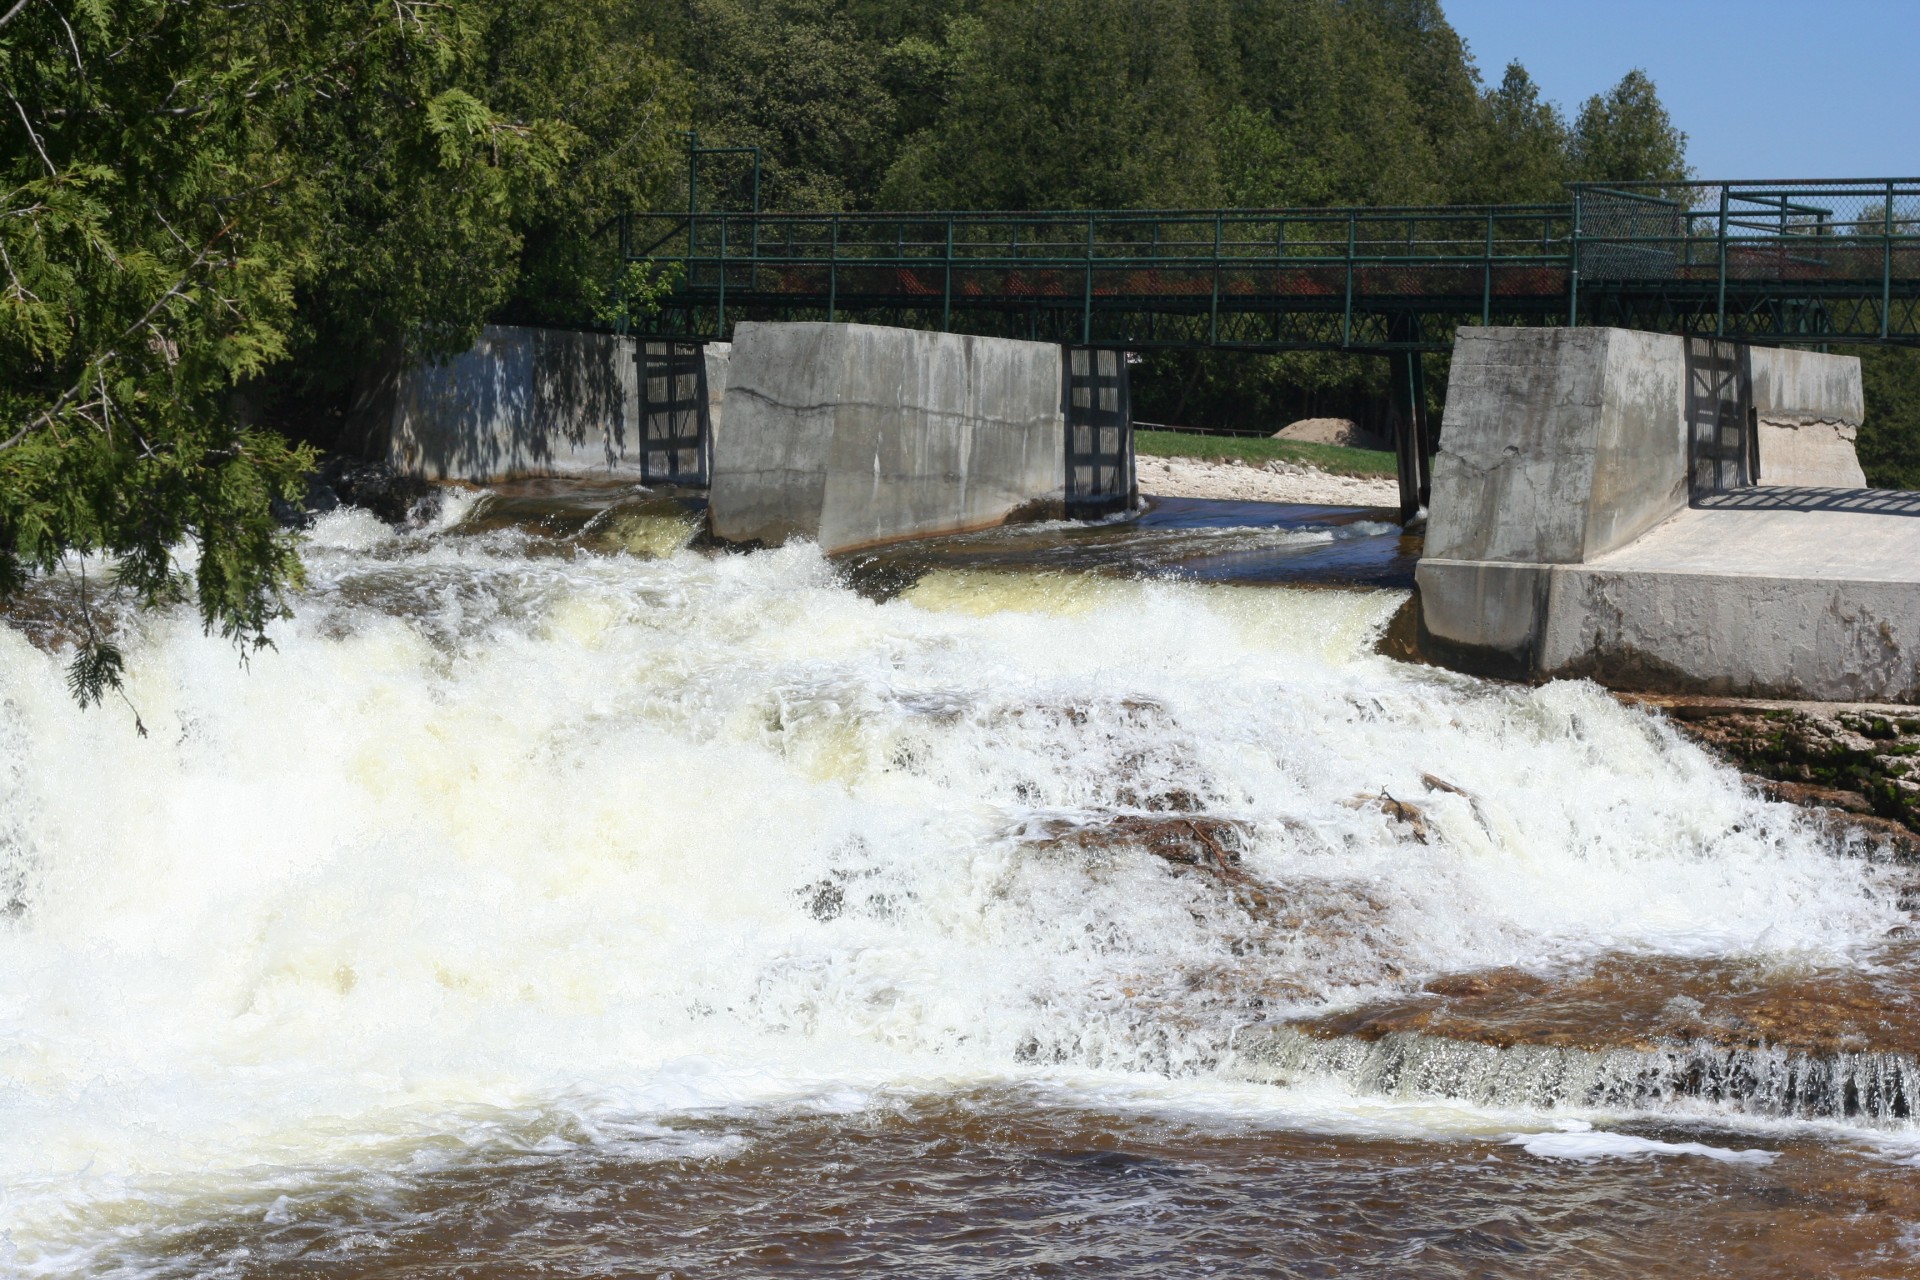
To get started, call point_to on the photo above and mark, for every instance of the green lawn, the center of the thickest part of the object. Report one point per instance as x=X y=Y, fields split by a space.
x=1257 y=449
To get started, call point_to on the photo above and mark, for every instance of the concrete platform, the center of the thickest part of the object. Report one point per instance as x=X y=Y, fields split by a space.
x=1571 y=536
x=1799 y=593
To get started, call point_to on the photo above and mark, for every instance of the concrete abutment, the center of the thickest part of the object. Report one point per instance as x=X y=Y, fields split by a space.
x=1665 y=514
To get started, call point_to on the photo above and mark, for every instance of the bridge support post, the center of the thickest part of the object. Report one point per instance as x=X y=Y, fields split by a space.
x=1412 y=440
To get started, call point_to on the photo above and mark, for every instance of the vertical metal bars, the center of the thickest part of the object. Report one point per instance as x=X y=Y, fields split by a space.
x=676 y=434
x=1098 y=408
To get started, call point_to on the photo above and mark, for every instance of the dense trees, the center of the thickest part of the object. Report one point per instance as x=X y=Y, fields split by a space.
x=212 y=211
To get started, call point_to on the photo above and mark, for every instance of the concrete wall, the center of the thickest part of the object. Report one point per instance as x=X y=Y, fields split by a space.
x=1560 y=444
x=519 y=402
x=1809 y=407
x=856 y=435
x=719 y=355
x=522 y=402
x=1561 y=543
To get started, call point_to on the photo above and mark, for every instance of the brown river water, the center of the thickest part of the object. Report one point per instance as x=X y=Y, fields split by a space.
x=561 y=898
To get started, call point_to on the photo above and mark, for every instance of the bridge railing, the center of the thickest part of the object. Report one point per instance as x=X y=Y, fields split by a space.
x=1211 y=259
x=1821 y=261
x=1827 y=244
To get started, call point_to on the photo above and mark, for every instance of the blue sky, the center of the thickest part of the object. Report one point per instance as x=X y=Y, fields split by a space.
x=1763 y=88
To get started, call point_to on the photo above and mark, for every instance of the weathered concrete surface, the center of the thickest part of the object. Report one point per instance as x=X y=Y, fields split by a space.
x=1812 y=384
x=519 y=402
x=1760 y=601
x=855 y=435
x=1809 y=451
x=1783 y=604
x=1565 y=546
x=718 y=356
x=1560 y=444
x=1809 y=407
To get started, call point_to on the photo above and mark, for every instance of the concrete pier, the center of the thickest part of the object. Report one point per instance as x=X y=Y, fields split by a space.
x=527 y=402
x=856 y=435
x=1583 y=522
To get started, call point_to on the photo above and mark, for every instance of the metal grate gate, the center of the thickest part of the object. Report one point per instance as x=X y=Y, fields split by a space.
x=1722 y=447
x=676 y=434
x=1099 y=421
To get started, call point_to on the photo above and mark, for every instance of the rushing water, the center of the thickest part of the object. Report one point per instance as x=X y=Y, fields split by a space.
x=556 y=899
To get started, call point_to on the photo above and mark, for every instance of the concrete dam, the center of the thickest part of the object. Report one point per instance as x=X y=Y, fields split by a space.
x=1650 y=511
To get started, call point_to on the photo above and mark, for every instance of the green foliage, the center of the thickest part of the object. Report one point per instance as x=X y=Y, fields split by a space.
x=636 y=293
x=1333 y=458
x=1522 y=150
x=209 y=207
x=796 y=79
x=1889 y=443
x=1075 y=104
x=1625 y=135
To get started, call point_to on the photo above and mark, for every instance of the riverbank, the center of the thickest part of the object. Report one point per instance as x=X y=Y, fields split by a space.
x=1860 y=761
x=1273 y=481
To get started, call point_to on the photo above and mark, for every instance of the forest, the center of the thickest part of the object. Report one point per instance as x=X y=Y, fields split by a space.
x=217 y=218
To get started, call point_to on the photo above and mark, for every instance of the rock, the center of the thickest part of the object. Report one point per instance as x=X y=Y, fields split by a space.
x=1194 y=840
x=1859 y=762
x=1409 y=815
x=1344 y=432
x=343 y=481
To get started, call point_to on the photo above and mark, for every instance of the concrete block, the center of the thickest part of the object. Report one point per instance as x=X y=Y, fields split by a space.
x=1559 y=443
x=519 y=402
x=1772 y=636
x=1809 y=452
x=857 y=435
x=717 y=354
x=1483 y=617
x=1807 y=384
x=1776 y=599
x=1809 y=406
x=1560 y=542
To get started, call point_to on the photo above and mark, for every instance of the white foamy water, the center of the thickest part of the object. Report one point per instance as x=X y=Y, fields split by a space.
x=490 y=834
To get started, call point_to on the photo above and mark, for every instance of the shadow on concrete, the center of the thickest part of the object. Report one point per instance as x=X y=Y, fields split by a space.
x=1878 y=502
x=520 y=401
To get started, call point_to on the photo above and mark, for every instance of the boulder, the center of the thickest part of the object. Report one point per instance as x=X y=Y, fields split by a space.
x=1341 y=431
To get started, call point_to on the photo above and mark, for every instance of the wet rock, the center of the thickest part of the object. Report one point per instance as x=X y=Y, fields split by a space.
x=1186 y=839
x=1645 y=1003
x=1848 y=759
x=1407 y=815
x=344 y=481
x=1487 y=982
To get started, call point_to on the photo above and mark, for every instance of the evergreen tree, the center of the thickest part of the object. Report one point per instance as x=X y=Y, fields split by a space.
x=206 y=199
x=1889 y=443
x=797 y=79
x=1625 y=135
x=1520 y=153
x=1071 y=104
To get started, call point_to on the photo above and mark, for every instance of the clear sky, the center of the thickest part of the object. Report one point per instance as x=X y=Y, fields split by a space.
x=1763 y=88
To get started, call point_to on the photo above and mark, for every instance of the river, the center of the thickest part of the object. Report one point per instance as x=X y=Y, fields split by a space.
x=555 y=899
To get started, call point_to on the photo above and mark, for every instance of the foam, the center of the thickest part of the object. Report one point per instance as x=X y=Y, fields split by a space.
x=495 y=834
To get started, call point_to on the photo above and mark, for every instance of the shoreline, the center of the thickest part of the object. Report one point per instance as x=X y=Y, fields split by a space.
x=1175 y=477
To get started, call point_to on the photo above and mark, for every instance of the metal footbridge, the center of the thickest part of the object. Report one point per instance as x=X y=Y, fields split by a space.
x=1824 y=263
x=1772 y=262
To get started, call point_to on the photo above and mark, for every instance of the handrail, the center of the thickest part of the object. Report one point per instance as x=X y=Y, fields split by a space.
x=1765 y=261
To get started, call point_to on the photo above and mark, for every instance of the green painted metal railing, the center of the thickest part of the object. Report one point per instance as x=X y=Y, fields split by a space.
x=1825 y=262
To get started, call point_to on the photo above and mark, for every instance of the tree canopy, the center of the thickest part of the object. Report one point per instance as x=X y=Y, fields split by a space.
x=213 y=208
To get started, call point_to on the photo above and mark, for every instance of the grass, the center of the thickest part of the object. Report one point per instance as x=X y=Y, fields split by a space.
x=1331 y=458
